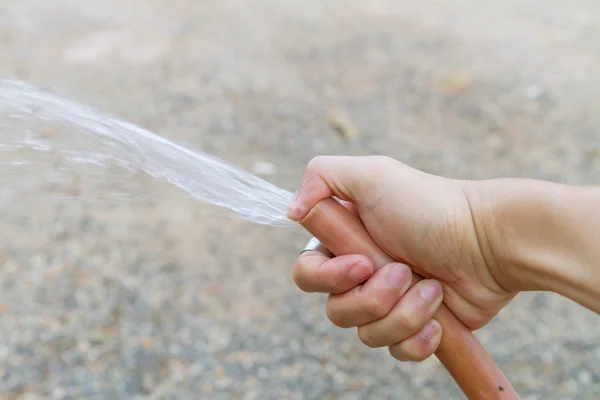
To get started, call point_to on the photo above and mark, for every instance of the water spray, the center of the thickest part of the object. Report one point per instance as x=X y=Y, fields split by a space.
x=101 y=141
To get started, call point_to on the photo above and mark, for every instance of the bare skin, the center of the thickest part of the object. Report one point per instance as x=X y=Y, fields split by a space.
x=477 y=244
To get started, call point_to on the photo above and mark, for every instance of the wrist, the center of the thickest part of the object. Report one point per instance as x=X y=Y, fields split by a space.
x=540 y=236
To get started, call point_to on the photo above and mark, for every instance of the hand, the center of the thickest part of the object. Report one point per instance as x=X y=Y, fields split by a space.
x=422 y=221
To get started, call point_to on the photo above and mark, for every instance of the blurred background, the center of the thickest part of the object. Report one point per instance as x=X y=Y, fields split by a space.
x=153 y=301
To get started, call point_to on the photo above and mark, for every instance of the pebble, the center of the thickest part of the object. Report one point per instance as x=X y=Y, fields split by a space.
x=340 y=122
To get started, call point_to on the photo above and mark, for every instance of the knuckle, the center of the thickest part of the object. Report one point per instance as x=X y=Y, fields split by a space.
x=409 y=354
x=362 y=260
x=336 y=285
x=300 y=278
x=334 y=281
x=316 y=163
x=375 y=308
x=396 y=352
x=407 y=321
x=336 y=316
x=367 y=338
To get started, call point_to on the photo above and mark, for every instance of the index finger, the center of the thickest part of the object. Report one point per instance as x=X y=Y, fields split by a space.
x=315 y=272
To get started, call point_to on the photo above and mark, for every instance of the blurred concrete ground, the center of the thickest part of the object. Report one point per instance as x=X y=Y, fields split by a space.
x=138 y=302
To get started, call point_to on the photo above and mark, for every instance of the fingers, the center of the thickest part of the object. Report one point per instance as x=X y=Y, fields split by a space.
x=352 y=179
x=386 y=309
x=388 y=312
x=372 y=301
x=315 y=272
x=407 y=317
x=421 y=346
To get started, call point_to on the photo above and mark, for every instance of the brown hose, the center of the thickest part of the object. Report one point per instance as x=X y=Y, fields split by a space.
x=462 y=355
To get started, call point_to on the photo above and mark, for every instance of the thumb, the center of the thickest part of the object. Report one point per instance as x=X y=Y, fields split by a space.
x=351 y=179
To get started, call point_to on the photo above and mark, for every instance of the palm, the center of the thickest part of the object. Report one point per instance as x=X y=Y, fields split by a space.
x=431 y=229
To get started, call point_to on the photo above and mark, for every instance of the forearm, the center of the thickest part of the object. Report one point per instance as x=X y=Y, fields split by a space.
x=542 y=236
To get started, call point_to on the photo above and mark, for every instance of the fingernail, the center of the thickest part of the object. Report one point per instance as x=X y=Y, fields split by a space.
x=430 y=291
x=359 y=272
x=431 y=329
x=397 y=275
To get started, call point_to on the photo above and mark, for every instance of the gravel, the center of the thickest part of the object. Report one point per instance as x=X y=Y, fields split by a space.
x=159 y=301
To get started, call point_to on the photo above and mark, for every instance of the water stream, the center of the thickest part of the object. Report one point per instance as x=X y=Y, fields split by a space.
x=77 y=152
